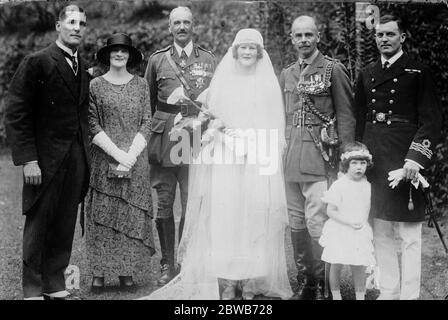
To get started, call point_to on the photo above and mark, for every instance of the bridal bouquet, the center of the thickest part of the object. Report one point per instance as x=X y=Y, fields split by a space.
x=187 y=123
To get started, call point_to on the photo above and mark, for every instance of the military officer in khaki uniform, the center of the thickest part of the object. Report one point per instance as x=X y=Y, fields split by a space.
x=196 y=66
x=317 y=93
x=399 y=119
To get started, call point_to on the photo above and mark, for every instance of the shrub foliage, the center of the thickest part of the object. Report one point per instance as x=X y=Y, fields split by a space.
x=29 y=26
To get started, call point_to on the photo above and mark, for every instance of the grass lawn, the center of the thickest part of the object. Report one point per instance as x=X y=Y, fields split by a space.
x=434 y=262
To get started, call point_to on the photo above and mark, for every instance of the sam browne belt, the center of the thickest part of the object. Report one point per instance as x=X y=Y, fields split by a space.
x=184 y=109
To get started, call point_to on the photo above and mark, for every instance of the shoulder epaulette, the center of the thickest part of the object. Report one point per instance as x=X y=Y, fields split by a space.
x=289 y=65
x=205 y=50
x=332 y=59
x=162 y=50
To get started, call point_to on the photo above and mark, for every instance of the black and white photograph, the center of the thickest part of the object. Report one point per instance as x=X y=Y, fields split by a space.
x=223 y=150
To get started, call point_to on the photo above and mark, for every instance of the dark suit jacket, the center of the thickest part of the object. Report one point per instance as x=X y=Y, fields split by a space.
x=44 y=114
x=407 y=90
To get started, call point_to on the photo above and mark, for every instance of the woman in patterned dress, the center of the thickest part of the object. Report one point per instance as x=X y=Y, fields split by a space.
x=118 y=207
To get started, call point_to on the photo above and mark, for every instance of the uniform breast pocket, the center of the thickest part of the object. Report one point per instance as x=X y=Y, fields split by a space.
x=165 y=76
x=166 y=83
x=291 y=97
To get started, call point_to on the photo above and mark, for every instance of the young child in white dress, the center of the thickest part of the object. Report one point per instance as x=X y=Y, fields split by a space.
x=347 y=236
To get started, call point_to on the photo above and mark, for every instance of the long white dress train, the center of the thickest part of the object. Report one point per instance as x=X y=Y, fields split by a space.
x=236 y=217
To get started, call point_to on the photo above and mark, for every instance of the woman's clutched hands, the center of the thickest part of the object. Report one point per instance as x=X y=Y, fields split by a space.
x=125 y=158
x=357 y=225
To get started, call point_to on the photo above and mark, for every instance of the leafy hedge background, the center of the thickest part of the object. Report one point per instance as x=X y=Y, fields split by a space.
x=29 y=26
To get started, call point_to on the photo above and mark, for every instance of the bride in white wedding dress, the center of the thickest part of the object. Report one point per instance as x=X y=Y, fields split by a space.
x=236 y=213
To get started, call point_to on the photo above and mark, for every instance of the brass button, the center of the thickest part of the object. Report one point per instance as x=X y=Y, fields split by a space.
x=373 y=79
x=395 y=80
x=392 y=91
x=373 y=90
x=391 y=101
x=373 y=100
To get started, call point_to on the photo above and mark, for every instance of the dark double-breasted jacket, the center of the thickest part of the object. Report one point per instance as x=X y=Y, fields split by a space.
x=398 y=118
x=46 y=108
x=197 y=70
x=303 y=159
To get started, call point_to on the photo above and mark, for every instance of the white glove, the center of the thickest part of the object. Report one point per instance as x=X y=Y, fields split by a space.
x=137 y=146
x=177 y=118
x=396 y=176
x=121 y=167
x=103 y=141
x=177 y=95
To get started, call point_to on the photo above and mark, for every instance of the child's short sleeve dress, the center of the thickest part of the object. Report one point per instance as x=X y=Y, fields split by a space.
x=342 y=243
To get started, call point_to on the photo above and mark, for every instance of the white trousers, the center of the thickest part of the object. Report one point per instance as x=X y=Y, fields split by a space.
x=390 y=238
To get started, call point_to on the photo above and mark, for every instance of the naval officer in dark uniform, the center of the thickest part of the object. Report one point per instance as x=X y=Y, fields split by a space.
x=317 y=93
x=399 y=119
x=196 y=66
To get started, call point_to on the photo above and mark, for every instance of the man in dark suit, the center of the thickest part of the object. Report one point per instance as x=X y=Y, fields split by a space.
x=317 y=91
x=399 y=119
x=46 y=126
x=196 y=66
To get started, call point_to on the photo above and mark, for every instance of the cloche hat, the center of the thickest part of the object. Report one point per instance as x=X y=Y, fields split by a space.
x=119 y=39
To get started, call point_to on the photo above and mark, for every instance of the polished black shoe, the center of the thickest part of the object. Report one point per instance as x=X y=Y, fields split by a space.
x=166 y=275
x=127 y=283
x=305 y=289
x=320 y=291
x=97 y=285
x=70 y=296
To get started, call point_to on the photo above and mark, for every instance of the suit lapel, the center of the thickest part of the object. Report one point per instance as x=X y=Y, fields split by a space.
x=64 y=68
x=395 y=70
x=84 y=80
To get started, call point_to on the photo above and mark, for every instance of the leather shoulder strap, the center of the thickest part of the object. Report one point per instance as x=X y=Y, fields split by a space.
x=178 y=73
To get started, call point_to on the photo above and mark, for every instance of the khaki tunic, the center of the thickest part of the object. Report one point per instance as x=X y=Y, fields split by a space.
x=303 y=160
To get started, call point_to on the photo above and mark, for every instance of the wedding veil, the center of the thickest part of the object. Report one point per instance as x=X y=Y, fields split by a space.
x=245 y=102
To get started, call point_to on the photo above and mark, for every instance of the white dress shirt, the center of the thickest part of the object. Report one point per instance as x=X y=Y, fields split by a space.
x=188 y=48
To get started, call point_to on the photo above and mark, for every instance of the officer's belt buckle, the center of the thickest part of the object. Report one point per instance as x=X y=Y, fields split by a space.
x=184 y=108
x=296 y=119
x=380 y=117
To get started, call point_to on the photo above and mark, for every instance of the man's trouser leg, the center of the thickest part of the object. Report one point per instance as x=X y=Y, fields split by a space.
x=163 y=179
x=386 y=251
x=182 y=177
x=50 y=225
x=409 y=235
x=300 y=239
x=316 y=215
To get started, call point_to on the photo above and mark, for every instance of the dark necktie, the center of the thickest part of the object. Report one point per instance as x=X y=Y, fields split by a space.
x=183 y=55
x=386 y=65
x=302 y=66
x=73 y=60
x=183 y=59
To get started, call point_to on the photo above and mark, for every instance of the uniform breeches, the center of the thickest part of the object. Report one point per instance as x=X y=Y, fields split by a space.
x=391 y=237
x=164 y=180
x=50 y=225
x=305 y=207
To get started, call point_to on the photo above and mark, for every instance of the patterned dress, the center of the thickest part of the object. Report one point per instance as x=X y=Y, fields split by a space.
x=119 y=235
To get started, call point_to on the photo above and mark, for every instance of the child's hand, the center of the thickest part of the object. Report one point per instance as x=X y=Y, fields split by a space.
x=357 y=225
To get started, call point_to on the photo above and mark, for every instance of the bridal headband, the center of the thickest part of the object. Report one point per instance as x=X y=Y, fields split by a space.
x=356 y=154
x=248 y=36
